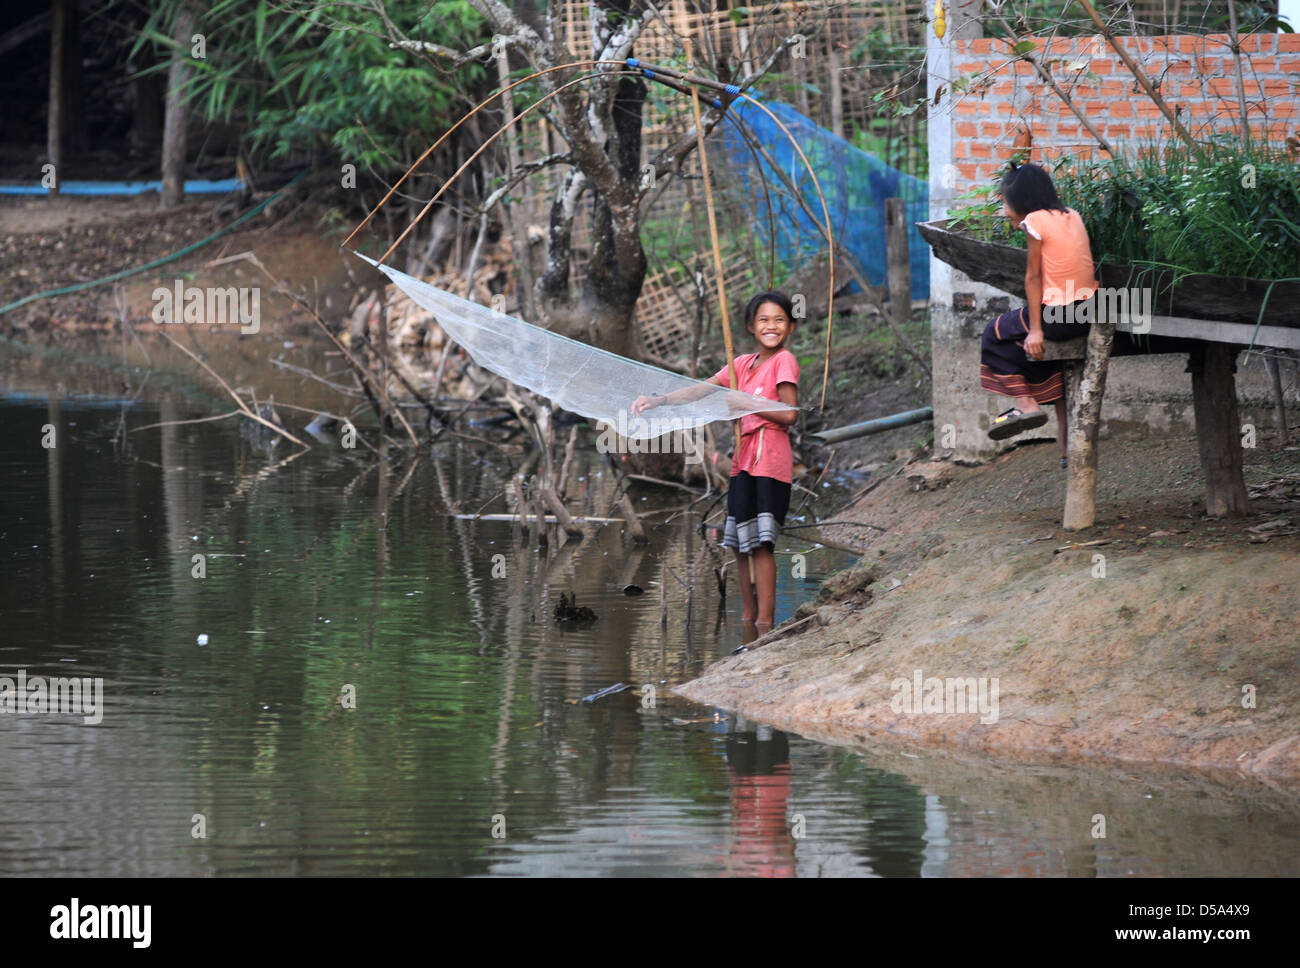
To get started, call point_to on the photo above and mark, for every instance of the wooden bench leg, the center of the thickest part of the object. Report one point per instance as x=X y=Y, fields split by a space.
x=1218 y=428
x=1085 y=387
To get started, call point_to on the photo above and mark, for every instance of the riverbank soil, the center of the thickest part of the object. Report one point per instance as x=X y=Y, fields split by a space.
x=49 y=243
x=1156 y=636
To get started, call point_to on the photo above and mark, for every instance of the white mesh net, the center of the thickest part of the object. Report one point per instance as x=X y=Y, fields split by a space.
x=588 y=381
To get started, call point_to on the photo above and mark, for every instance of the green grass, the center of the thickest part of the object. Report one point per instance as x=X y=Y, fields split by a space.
x=1222 y=208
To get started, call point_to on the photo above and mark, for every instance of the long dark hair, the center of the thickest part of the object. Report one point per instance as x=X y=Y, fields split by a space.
x=780 y=298
x=1029 y=188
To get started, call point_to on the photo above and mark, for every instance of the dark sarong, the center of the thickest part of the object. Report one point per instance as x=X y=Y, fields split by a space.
x=1005 y=368
x=756 y=508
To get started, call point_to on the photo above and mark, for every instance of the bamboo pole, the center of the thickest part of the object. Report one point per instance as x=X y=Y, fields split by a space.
x=1241 y=80
x=514 y=216
x=713 y=236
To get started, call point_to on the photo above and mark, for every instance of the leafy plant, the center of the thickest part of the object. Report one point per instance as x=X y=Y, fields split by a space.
x=1225 y=208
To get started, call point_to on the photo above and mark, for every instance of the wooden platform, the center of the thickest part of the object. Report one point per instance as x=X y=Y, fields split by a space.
x=1200 y=297
x=1212 y=364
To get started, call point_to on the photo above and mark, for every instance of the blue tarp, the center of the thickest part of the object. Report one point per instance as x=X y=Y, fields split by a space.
x=197 y=186
x=855 y=184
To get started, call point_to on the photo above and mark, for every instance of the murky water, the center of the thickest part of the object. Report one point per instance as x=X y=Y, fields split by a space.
x=335 y=580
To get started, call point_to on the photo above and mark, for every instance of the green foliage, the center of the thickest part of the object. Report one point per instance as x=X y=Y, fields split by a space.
x=1223 y=208
x=299 y=77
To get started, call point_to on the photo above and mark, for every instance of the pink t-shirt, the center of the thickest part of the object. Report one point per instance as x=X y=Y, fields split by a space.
x=764 y=449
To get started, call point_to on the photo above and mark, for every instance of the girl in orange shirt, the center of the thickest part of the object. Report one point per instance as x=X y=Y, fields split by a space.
x=1059 y=277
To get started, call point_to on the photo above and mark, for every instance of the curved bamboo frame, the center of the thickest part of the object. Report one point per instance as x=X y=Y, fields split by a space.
x=639 y=71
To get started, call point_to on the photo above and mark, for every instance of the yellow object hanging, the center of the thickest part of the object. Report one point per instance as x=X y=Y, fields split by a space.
x=940 y=24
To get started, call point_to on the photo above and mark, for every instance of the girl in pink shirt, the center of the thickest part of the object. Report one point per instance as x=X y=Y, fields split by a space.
x=761 y=468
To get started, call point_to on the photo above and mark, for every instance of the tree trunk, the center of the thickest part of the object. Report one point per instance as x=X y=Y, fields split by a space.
x=176 y=116
x=603 y=316
x=54 y=126
x=1218 y=428
x=1086 y=386
x=75 y=134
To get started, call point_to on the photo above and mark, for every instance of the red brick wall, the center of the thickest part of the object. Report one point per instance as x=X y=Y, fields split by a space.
x=1196 y=73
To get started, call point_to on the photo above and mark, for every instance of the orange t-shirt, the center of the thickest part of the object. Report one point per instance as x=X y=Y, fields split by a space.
x=1068 y=272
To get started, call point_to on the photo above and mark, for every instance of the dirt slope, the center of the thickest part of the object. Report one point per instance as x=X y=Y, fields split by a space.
x=1146 y=661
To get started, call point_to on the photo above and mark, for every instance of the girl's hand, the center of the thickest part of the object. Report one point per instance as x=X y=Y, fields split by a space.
x=1034 y=344
x=641 y=404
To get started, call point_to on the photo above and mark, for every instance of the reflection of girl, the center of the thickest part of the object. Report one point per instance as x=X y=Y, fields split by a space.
x=1059 y=272
x=761 y=841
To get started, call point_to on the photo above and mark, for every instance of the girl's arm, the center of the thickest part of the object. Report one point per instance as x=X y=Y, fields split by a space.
x=1034 y=297
x=787 y=393
x=684 y=395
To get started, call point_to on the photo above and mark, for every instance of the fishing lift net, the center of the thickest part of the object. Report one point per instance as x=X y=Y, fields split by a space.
x=583 y=379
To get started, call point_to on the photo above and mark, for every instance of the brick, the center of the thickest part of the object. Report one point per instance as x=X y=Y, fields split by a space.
x=971 y=67
x=978 y=149
x=1284 y=109
x=1190 y=89
x=968 y=172
x=1121 y=109
x=1067 y=131
x=1260 y=65
x=1189 y=44
x=1117 y=131
x=992 y=129
x=1273 y=88
x=1256 y=43
x=1102 y=67
x=1288 y=43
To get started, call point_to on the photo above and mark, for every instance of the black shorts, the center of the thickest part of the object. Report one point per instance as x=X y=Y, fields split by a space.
x=756 y=509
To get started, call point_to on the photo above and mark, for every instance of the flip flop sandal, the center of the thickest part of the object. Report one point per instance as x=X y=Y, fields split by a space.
x=1015 y=421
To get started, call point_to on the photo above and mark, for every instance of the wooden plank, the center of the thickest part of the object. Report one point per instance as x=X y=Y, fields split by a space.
x=1218 y=429
x=898 y=266
x=1066 y=349
x=1214 y=331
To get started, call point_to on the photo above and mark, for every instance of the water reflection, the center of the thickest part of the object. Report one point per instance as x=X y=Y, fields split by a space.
x=336 y=574
x=762 y=841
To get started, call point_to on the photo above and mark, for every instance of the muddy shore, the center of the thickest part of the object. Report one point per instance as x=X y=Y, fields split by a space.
x=1174 y=642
